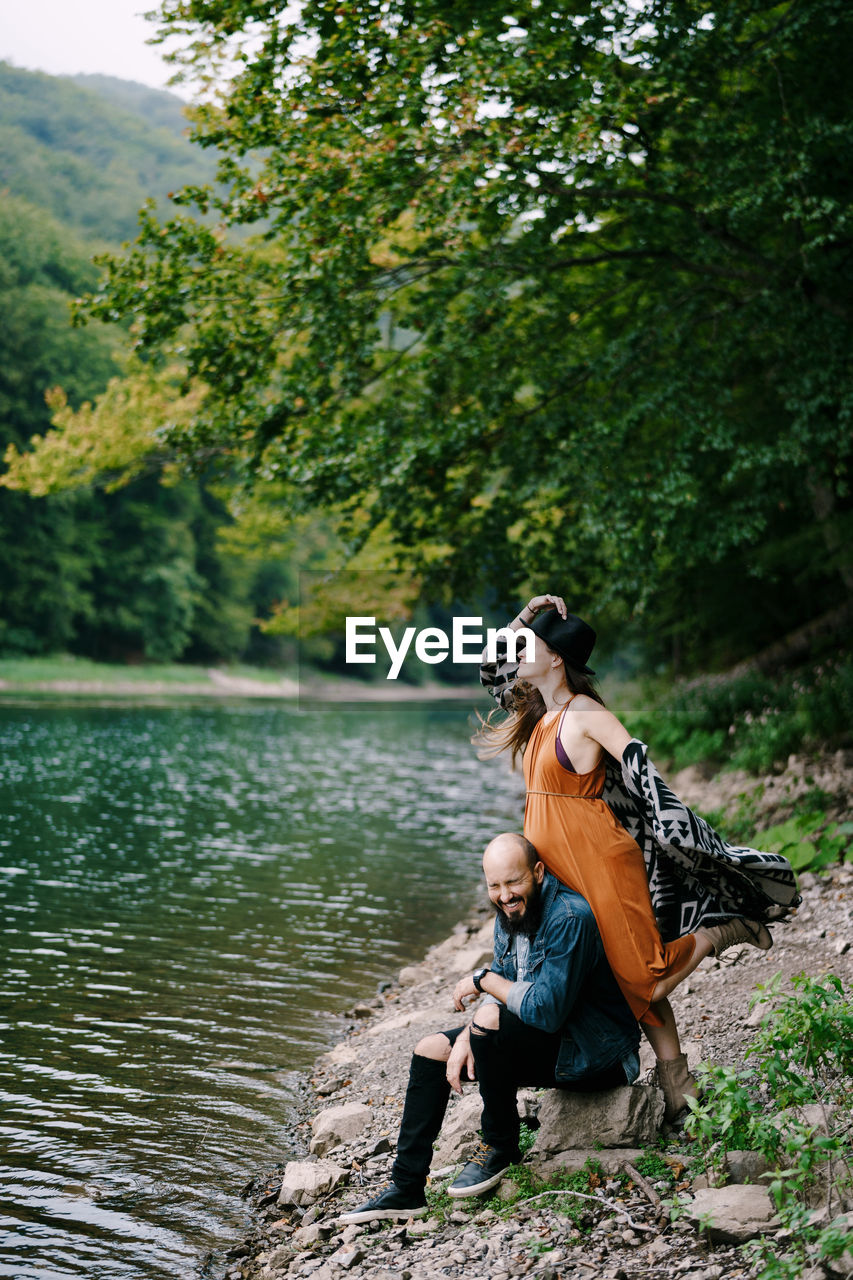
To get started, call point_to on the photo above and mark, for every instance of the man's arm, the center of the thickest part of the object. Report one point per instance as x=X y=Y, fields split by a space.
x=492 y=983
x=572 y=946
x=460 y=1058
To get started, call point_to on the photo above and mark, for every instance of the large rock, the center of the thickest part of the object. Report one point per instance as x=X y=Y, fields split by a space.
x=732 y=1215
x=843 y=1265
x=460 y=1132
x=337 y=1125
x=611 y=1159
x=746 y=1166
x=308 y=1180
x=626 y=1117
x=472 y=957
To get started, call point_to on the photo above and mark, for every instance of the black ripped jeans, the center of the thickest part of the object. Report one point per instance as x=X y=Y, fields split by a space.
x=506 y=1058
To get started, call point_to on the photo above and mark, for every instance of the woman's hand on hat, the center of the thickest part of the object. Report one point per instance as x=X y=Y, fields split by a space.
x=538 y=603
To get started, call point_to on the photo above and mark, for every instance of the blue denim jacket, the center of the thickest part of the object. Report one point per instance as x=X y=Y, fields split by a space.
x=570 y=988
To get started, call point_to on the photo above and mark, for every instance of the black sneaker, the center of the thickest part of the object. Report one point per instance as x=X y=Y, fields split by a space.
x=482 y=1172
x=390 y=1203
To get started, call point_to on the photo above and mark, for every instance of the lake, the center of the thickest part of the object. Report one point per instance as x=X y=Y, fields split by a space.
x=192 y=895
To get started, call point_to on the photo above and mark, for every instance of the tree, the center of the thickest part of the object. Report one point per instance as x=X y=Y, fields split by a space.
x=136 y=572
x=564 y=286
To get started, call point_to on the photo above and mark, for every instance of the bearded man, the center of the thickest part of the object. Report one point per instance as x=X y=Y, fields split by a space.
x=552 y=1017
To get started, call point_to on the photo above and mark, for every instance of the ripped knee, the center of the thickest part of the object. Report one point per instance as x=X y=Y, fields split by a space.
x=436 y=1046
x=486 y=1020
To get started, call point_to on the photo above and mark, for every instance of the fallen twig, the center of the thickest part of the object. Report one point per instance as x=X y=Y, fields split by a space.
x=643 y=1183
x=580 y=1195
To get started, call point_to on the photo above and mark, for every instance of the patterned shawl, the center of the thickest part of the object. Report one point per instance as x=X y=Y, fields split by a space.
x=695 y=876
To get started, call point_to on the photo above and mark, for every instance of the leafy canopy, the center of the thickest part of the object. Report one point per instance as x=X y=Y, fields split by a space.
x=566 y=286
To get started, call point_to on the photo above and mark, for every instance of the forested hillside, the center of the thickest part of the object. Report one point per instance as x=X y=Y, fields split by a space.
x=91 y=151
x=139 y=571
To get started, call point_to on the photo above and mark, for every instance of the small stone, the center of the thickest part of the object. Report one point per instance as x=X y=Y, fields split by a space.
x=460 y=1218
x=313 y=1234
x=352 y=1232
x=362 y=1011
x=842 y=946
x=423 y=1226
x=746 y=1166
x=306 y=1181
x=337 y=1125
x=732 y=1215
x=348 y=1257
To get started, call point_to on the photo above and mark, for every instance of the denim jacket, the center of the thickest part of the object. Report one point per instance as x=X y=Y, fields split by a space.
x=569 y=987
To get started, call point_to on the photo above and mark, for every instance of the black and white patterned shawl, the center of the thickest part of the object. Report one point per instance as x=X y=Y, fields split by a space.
x=695 y=876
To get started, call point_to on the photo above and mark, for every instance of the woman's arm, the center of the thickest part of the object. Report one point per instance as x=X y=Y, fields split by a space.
x=498 y=676
x=601 y=725
x=535 y=605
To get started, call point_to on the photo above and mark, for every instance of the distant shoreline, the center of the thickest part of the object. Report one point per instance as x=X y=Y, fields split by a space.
x=220 y=686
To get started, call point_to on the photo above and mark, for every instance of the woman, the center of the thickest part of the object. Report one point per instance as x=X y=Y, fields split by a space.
x=559 y=723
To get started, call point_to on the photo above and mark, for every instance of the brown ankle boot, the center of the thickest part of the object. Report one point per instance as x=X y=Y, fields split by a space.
x=677 y=1084
x=734 y=932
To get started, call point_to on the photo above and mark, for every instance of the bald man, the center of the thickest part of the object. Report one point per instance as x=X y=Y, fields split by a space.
x=552 y=1016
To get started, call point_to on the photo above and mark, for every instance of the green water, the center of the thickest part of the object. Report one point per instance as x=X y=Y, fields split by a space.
x=190 y=898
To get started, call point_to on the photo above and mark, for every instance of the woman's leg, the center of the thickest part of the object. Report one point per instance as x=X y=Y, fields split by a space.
x=664 y=1039
x=673 y=1074
x=702 y=947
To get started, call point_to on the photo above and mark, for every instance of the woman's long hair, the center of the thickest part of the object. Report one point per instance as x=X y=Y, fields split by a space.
x=511 y=731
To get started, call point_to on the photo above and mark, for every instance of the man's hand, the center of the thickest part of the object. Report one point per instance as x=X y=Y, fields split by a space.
x=463 y=990
x=461 y=1059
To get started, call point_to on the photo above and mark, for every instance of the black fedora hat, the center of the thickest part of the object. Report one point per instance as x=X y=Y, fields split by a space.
x=571 y=637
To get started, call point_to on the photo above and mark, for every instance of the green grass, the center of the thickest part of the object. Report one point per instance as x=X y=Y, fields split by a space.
x=66 y=667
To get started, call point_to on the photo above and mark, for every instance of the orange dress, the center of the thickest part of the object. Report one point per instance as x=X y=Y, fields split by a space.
x=582 y=844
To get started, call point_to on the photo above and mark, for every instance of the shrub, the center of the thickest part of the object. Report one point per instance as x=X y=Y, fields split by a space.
x=802 y=1057
x=752 y=721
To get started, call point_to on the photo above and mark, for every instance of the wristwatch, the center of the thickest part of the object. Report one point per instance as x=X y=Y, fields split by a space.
x=478 y=975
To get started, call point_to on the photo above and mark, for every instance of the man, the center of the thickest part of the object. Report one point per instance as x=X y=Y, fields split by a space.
x=553 y=1017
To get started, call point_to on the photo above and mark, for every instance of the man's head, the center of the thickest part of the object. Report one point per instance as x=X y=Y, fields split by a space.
x=514 y=877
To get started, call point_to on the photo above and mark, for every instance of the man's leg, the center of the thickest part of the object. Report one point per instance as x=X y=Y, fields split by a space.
x=507 y=1053
x=423 y=1112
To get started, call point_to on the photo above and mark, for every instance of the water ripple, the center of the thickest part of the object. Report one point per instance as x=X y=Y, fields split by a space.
x=191 y=897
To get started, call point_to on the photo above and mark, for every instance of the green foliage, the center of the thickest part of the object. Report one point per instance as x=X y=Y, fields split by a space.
x=132 y=574
x=754 y=721
x=526 y=1138
x=651 y=1164
x=803 y=842
x=549 y=283
x=802 y=1056
x=584 y=1181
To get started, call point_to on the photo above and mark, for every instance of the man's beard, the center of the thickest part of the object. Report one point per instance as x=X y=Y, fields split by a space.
x=528 y=923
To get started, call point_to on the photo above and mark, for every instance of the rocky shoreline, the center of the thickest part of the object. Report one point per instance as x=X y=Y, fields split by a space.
x=620 y=1227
